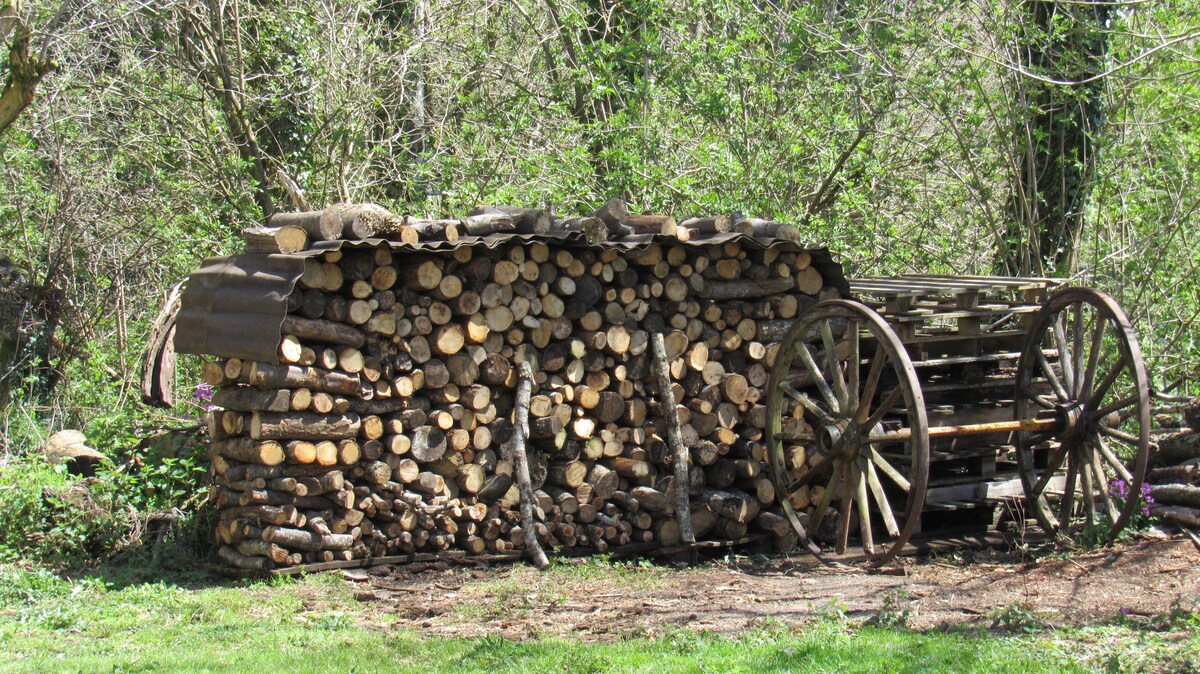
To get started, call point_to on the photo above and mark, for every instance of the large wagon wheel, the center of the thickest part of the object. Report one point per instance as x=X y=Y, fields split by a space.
x=855 y=429
x=1082 y=364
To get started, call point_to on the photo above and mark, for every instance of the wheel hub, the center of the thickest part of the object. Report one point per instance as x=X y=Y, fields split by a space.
x=839 y=438
x=1073 y=421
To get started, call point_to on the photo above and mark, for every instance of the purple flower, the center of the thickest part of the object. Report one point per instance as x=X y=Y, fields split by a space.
x=1118 y=488
x=203 y=392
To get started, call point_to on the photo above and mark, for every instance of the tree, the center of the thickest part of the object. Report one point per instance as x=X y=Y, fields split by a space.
x=1059 y=56
x=24 y=70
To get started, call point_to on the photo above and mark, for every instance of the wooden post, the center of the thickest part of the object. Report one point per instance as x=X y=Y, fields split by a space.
x=683 y=509
x=520 y=430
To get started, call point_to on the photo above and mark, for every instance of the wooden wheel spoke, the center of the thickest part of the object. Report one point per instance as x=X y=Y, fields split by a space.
x=1066 y=505
x=1048 y=370
x=1089 y=374
x=864 y=513
x=806 y=359
x=886 y=406
x=806 y=476
x=834 y=366
x=1110 y=508
x=1088 y=486
x=1036 y=438
x=1060 y=340
x=883 y=465
x=1039 y=400
x=1100 y=390
x=853 y=363
x=808 y=404
x=1110 y=458
x=868 y=392
x=1115 y=406
x=851 y=480
x=885 y=508
x=826 y=498
x=1120 y=435
x=1052 y=467
x=1077 y=348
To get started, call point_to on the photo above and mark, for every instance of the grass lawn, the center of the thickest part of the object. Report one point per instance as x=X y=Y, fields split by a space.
x=49 y=624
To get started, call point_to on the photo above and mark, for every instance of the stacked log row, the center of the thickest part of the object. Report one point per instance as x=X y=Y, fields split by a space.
x=1174 y=476
x=385 y=427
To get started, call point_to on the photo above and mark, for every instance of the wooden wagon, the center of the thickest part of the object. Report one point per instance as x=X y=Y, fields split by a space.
x=930 y=394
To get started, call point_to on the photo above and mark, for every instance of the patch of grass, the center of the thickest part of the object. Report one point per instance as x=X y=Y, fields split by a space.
x=636 y=574
x=50 y=624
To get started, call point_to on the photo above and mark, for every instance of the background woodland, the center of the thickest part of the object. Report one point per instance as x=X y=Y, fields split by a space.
x=969 y=137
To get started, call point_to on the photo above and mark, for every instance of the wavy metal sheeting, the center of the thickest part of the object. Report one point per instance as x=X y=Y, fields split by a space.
x=234 y=306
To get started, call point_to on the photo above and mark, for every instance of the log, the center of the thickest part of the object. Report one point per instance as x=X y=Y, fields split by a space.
x=709 y=225
x=312 y=222
x=327 y=332
x=679 y=453
x=246 y=450
x=299 y=539
x=651 y=224
x=487 y=223
x=250 y=399
x=1178 y=515
x=260 y=548
x=568 y=474
x=1191 y=414
x=775 y=524
x=237 y=560
x=1176 y=494
x=520 y=424
x=428 y=444
x=593 y=229
x=1176 y=448
x=433 y=230
x=524 y=220
x=303 y=426
x=731 y=504
x=285 y=240
x=767 y=229
x=266 y=375
x=365 y=221
x=1189 y=474
x=746 y=289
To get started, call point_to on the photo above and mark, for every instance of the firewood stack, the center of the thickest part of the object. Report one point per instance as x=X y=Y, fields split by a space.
x=1174 y=476
x=385 y=427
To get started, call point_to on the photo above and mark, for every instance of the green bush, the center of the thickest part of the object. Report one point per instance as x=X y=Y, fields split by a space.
x=51 y=517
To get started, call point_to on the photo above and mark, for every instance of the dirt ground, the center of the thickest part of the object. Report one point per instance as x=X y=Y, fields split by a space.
x=604 y=600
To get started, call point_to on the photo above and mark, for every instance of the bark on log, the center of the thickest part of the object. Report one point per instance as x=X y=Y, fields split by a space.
x=678 y=451
x=266 y=375
x=1176 y=494
x=312 y=222
x=746 y=289
x=285 y=240
x=303 y=426
x=246 y=450
x=327 y=332
x=1179 y=515
x=1177 y=448
x=520 y=426
x=251 y=399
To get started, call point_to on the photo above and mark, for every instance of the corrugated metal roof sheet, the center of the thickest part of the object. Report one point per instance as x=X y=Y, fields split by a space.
x=234 y=306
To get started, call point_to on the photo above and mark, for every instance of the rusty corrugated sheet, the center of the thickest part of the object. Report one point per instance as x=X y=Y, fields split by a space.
x=234 y=306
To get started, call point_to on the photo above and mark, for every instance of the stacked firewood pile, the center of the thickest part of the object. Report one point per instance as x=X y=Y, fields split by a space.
x=1174 y=476
x=387 y=425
